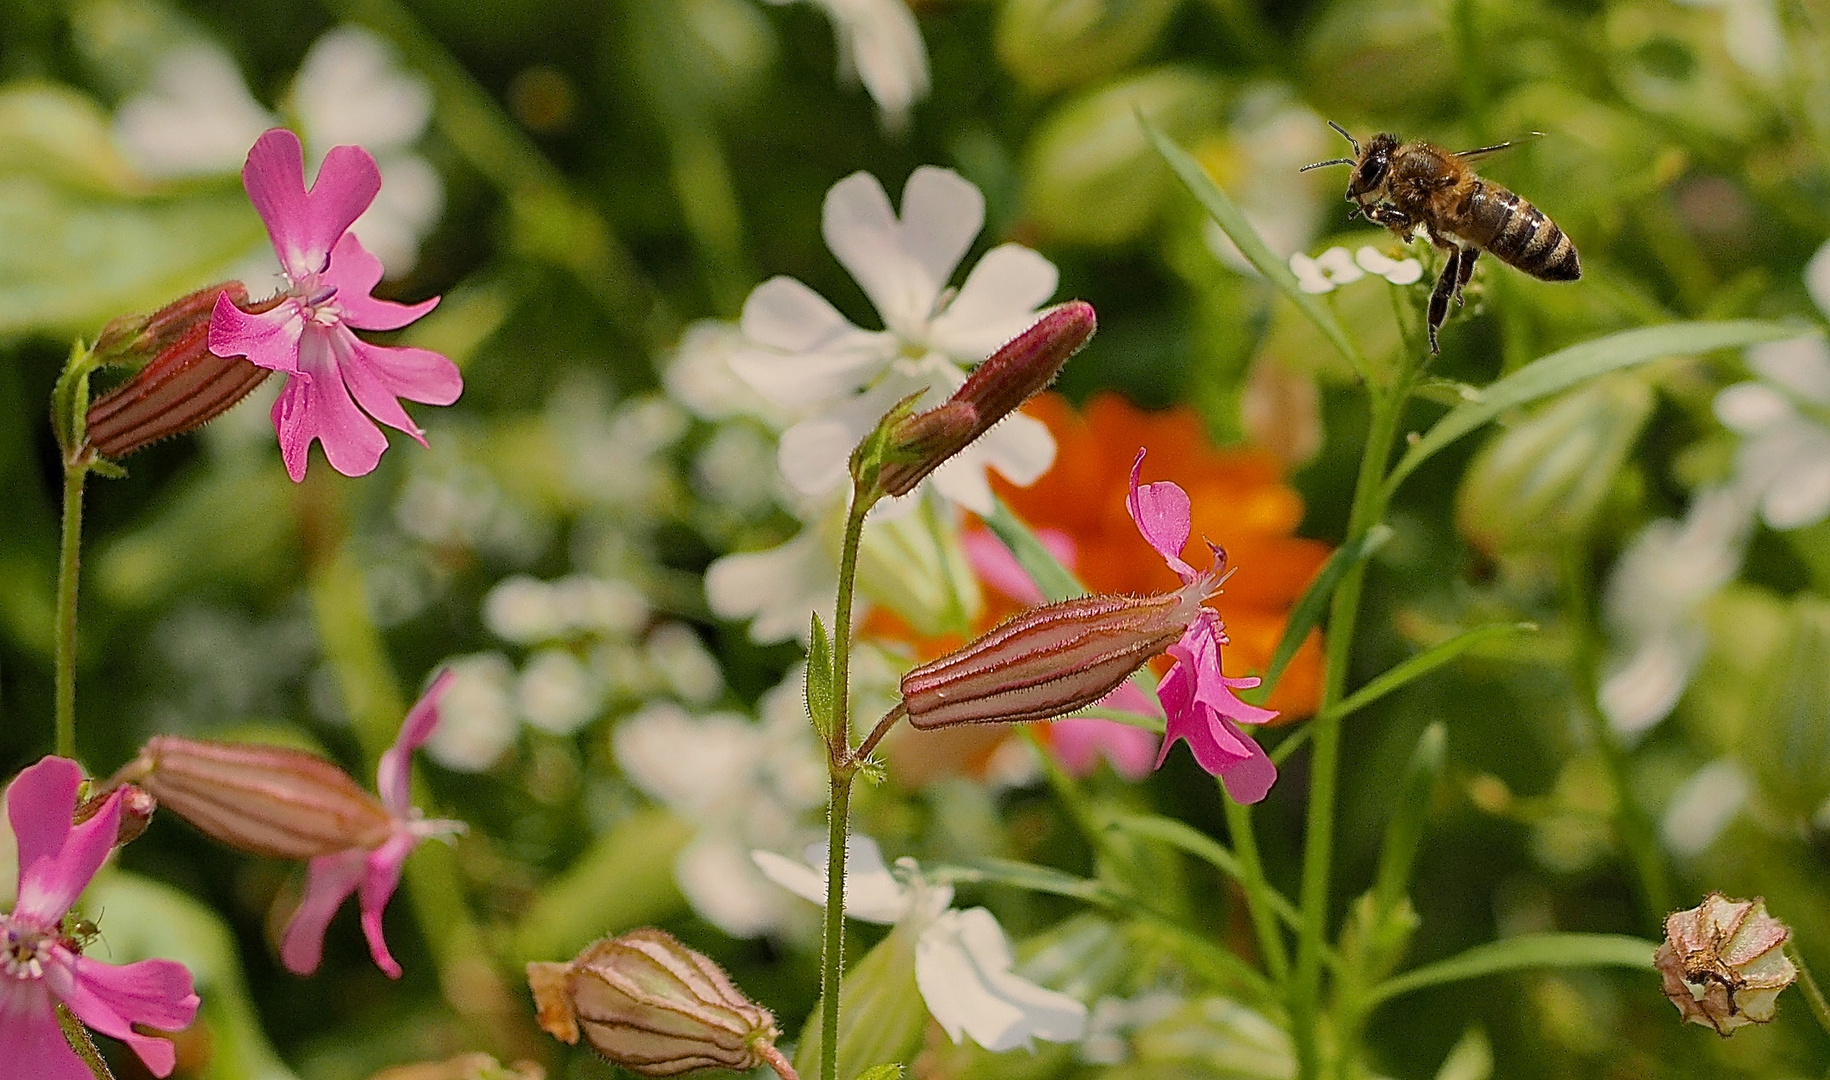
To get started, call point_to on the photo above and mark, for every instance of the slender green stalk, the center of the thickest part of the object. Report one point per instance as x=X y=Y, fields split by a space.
x=839 y=740
x=1808 y=986
x=1318 y=839
x=69 y=559
x=832 y=957
x=78 y=1038
x=1257 y=891
x=1630 y=821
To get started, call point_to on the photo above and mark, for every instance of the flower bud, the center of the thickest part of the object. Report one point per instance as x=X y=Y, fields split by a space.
x=182 y=387
x=1724 y=963
x=1047 y=661
x=650 y=1004
x=1546 y=478
x=1015 y=373
x=136 y=812
x=267 y=800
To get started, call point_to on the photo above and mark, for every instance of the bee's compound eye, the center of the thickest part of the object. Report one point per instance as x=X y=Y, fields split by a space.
x=1373 y=171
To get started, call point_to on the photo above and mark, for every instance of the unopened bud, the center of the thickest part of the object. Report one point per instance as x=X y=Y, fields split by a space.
x=1724 y=963
x=650 y=1004
x=1047 y=661
x=181 y=387
x=266 y=800
x=1015 y=373
x=137 y=808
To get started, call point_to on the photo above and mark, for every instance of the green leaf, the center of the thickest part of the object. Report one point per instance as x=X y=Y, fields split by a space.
x=1425 y=662
x=1578 y=363
x=1414 y=795
x=1308 y=610
x=1056 y=581
x=70 y=398
x=1471 y=1058
x=1519 y=953
x=889 y=1070
x=1233 y=221
x=819 y=679
x=1187 y=838
x=882 y=1016
x=1022 y=875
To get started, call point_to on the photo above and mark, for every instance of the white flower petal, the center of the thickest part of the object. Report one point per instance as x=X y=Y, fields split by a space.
x=724 y=886
x=689 y=765
x=864 y=235
x=963 y=968
x=196 y=119
x=805 y=352
x=1407 y=272
x=349 y=90
x=557 y=693
x=700 y=377
x=1647 y=687
x=1800 y=495
x=997 y=302
x=779 y=589
x=889 y=56
x=813 y=454
x=1750 y=407
x=1021 y=449
x=872 y=893
x=1703 y=807
x=477 y=721
x=942 y=213
x=1817 y=278
x=1309 y=277
x=1801 y=365
x=1337 y=263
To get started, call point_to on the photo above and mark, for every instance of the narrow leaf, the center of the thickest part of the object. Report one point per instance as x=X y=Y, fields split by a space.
x=1308 y=610
x=1187 y=838
x=889 y=1070
x=1233 y=222
x=1022 y=875
x=1519 y=953
x=1056 y=581
x=819 y=679
x=1414 y=794
x=1425 y=662
x=1578 y=363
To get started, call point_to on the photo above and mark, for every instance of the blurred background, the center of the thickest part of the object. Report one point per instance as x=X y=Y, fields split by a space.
x=594 y=189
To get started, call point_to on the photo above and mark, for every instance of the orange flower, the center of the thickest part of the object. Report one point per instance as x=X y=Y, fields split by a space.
x=1240 y=502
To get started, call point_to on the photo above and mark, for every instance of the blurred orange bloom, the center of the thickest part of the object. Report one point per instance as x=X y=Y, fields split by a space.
x=1240 y=502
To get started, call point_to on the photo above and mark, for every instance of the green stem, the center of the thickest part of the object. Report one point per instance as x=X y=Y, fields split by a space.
x=832 y=955
x=69 y=561
x=838 y=745
x=1257 y=890
x=1630 y=821
x=1808 y=985
x=1318 y=838
x=78 y=1038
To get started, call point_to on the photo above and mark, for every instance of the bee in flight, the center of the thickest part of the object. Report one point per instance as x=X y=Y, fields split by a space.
x=1411 y=185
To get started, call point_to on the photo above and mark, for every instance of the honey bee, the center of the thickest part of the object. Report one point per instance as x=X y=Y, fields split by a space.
x=1405 y=186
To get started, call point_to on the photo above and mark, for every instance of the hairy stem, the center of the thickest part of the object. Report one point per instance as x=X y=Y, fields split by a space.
x=832 y=953
x=78 y=1038
x=877 y=733
x=1820 y=1009
x=69 y=559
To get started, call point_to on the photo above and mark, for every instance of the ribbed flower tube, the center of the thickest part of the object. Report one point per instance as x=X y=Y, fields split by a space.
x=1050 y=660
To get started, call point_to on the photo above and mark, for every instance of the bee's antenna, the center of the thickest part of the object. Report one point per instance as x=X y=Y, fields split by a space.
x=1325 y=164
x=1351 y=141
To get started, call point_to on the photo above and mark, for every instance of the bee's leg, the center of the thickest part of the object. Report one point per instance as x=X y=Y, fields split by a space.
x=1468 y=255
x=1439 y=296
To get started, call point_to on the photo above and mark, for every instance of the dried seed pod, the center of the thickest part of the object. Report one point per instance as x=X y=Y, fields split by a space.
x=1724 y=962
x=655 y=1007
x=268 y=800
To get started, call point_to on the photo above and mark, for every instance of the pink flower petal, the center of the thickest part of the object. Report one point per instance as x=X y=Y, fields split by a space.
x=110 y=999
x=50 y=881
x=269 y=339
x=1249 y=780
x=304 y=226
x=1163 y=515
x=318 y=406
x=380 y=879
x=397 y=371
x=393 y=776
x=29 y=1036
x=354 y=273
x=1079 y=742
x=998 y=568
x=329 y=880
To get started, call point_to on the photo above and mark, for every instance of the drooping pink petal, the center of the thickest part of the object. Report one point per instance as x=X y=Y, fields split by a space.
x=1249 y=780
x=393 y=775
x=1164 y=516
x=1199 y=653
x=329 y=880
x=305 y=226
x=1079 y=742
x=39 y=803
x=269 y=339
x=379 y=880
x=318 y=406
x=1202 y=711
x=32 y=1042
x=998 y=568
x=354 y=273
x=111 y=999
x=50 y=883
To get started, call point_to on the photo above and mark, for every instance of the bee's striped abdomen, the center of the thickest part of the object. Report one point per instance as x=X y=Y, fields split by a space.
x=1520 y=234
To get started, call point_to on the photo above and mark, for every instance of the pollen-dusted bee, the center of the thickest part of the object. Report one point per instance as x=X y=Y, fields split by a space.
x=1410 y=185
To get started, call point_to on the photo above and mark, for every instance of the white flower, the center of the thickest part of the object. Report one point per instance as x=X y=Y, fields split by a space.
x=742 y=783
x=1703 y=807
x=803 y=354
x=1751 y=33
x=681 y=658
x=196 y=118
x=963 y=963
x=1396 y=271
x=1326 y=272
x=557 y=693
x=477 y=721
x=1652 y=603
x=880 y=46
x=779 y=589
x=1784 y=420
x=528 y=611
x=1270 y=137
x=698 y=375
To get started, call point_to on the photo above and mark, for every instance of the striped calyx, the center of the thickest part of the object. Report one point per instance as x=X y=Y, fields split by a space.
x=1048 y=661
x=650 y=1004
x=266 y=800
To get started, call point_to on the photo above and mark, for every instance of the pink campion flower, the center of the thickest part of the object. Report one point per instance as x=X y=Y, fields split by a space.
x=1203 y=710
x=43 y=965
x=330 y=879
x=310 y=336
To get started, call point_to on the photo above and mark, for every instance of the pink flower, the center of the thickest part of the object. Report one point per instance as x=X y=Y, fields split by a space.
x=1202 y=708
x=330 y=879
x=309 y=334
x=42 y=965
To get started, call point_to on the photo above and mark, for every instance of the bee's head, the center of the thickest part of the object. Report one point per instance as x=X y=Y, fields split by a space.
x=1369 y=172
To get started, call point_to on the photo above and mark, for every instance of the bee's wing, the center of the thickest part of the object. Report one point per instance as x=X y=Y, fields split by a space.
x=1497 y=147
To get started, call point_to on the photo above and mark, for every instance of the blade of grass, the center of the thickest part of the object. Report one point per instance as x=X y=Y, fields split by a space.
x=1518 y=953
x=1308 y=610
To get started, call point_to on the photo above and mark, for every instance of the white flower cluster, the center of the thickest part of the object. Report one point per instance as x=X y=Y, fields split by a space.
x=1337 y=267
